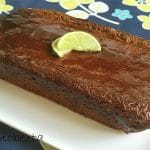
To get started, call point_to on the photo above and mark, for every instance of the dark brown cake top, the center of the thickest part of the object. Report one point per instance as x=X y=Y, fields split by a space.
x=119 y=75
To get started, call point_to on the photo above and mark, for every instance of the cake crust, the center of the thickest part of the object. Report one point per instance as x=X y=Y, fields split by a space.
x=112 y=87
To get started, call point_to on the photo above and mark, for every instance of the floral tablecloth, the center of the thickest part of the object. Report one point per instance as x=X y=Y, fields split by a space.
x=131 y=16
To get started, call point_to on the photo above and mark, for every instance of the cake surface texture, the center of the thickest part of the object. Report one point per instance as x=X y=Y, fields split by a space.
x=111 y=87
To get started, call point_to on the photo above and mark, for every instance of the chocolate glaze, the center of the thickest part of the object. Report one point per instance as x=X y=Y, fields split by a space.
x=112 y=87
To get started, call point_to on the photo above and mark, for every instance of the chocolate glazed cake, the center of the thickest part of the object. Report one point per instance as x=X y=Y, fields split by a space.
x=111 y=87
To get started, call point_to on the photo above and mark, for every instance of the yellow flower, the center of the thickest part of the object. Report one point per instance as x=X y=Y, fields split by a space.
x=5 y=8
x=71 y=4
x=143 y=5
x=145 y=20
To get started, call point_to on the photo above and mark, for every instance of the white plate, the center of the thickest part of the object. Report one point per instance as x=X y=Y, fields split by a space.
x=59 y=126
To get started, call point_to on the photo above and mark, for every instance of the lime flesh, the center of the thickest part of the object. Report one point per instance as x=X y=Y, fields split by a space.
x=79 y=41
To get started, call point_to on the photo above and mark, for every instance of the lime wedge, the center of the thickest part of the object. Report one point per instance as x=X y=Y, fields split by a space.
x=77 y=41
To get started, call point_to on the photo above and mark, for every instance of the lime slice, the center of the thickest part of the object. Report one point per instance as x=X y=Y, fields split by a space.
x=57 y=51
x=77 y=41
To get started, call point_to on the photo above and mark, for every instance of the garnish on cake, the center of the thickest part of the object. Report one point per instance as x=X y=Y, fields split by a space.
x=75 y=41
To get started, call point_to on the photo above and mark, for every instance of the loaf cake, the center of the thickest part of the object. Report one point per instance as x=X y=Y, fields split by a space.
x=111 y=87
